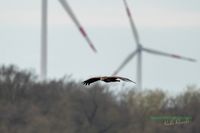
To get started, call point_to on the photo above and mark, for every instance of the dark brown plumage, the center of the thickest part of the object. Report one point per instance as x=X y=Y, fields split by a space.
x=106 y=79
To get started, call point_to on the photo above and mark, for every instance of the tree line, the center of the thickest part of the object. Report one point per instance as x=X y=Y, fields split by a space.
x=28 y=105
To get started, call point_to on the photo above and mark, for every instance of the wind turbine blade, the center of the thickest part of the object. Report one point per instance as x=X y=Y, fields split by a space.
x=81 y=29
x=168 y=54
x=133 y=27
x=125 y=61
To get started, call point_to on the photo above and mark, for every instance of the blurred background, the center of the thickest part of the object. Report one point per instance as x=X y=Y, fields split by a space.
x=62 y=104
x=170 y=26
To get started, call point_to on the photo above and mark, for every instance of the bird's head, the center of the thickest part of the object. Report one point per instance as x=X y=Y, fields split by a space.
x=103 y=78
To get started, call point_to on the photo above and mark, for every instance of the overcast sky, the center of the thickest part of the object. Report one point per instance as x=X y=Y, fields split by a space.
x=172 y=26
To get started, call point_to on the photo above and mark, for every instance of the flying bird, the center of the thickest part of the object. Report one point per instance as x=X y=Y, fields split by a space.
x=106 y=79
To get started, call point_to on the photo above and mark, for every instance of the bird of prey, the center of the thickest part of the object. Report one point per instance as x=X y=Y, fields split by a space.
x=106 y=79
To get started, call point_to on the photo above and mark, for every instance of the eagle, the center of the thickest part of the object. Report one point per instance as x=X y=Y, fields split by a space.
x=106 y=79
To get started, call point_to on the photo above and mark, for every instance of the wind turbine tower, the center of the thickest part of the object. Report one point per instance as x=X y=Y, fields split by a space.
x=43 y=63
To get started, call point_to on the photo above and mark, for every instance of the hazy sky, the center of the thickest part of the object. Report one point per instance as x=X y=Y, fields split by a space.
x=167 y=25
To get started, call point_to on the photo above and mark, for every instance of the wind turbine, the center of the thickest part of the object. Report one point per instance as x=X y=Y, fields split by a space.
x=140 y=49
x=44 y=31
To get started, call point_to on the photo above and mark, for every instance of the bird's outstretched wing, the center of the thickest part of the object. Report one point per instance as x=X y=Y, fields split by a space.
x=124 y=79
x=91 y=80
